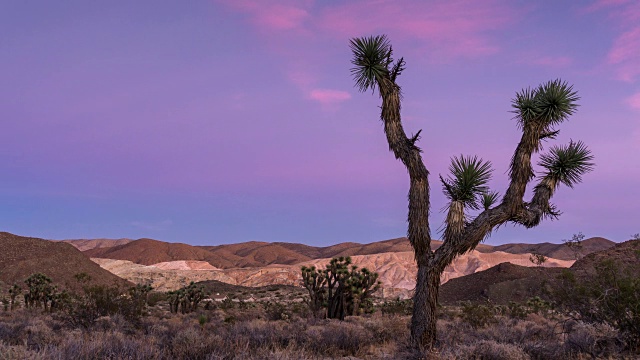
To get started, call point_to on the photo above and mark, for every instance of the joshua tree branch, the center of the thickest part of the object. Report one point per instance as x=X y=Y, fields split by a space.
x=406 y=151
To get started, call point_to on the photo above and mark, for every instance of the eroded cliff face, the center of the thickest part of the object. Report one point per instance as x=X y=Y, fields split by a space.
x=397 y=270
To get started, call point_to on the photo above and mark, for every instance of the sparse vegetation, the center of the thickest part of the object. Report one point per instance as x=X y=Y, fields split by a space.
x=119 y=324
x=218 y=334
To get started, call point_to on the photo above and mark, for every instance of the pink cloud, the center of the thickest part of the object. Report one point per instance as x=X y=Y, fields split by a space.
x=282 y=15
x=634 y=101
x=452 y=28
x=553 y=61
x=625 y=52
x=329 y=96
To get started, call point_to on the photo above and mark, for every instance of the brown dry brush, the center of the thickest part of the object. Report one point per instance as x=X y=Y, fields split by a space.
x=538 y=112
x=25 y=334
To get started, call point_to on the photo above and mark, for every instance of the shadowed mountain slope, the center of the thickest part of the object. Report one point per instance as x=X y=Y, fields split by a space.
x=88 y=244
x=509 y=282
x=148 y=252
x=625 y=256
x=22 y=256
x=556 y=251
x=500 y=284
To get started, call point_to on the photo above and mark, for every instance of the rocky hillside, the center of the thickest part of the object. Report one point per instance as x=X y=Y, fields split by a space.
x=22 y=256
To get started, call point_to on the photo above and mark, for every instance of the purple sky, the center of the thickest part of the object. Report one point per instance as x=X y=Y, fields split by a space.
x=212 y=122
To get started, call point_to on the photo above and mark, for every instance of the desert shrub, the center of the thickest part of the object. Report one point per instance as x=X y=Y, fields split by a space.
x=517 y=310
x=107 y=345
x=16 y=352
x=102 y=301
x=155 y=297
x=397 y=307
x=610 y=297
x=478 y=315
x=383 y=329
x=489 y=349
x=227 y=303
x=191 y=344
x=276 y=311
x=537 y=305
x=597 y=340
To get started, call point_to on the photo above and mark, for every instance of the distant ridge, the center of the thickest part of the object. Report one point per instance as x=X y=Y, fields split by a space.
x=259 y=254
x=22 y=256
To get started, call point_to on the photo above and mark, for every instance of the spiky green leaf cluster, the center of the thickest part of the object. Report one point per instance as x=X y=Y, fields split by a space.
x=488 y=199
x=549 y=104
x=467 y=181
x=371 y=59
x=566 y=164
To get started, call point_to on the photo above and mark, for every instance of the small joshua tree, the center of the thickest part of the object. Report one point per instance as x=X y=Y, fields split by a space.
x=538 y=112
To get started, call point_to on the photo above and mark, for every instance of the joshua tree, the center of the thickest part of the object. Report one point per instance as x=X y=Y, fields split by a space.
x=340 y=290
x=538 y=111
x=314 y=281
x=40 y=291
x=186 y=299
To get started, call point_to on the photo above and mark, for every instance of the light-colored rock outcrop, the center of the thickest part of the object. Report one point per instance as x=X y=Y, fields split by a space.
x=397 y=270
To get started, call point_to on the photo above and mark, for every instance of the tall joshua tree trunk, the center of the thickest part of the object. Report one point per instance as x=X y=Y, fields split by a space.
x=538 y=111
x=423 y=322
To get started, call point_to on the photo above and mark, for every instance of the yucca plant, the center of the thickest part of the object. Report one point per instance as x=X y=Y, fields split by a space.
x=538 y=112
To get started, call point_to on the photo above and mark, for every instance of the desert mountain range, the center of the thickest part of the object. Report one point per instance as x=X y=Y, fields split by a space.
x=257 y=254
x=168 y=266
